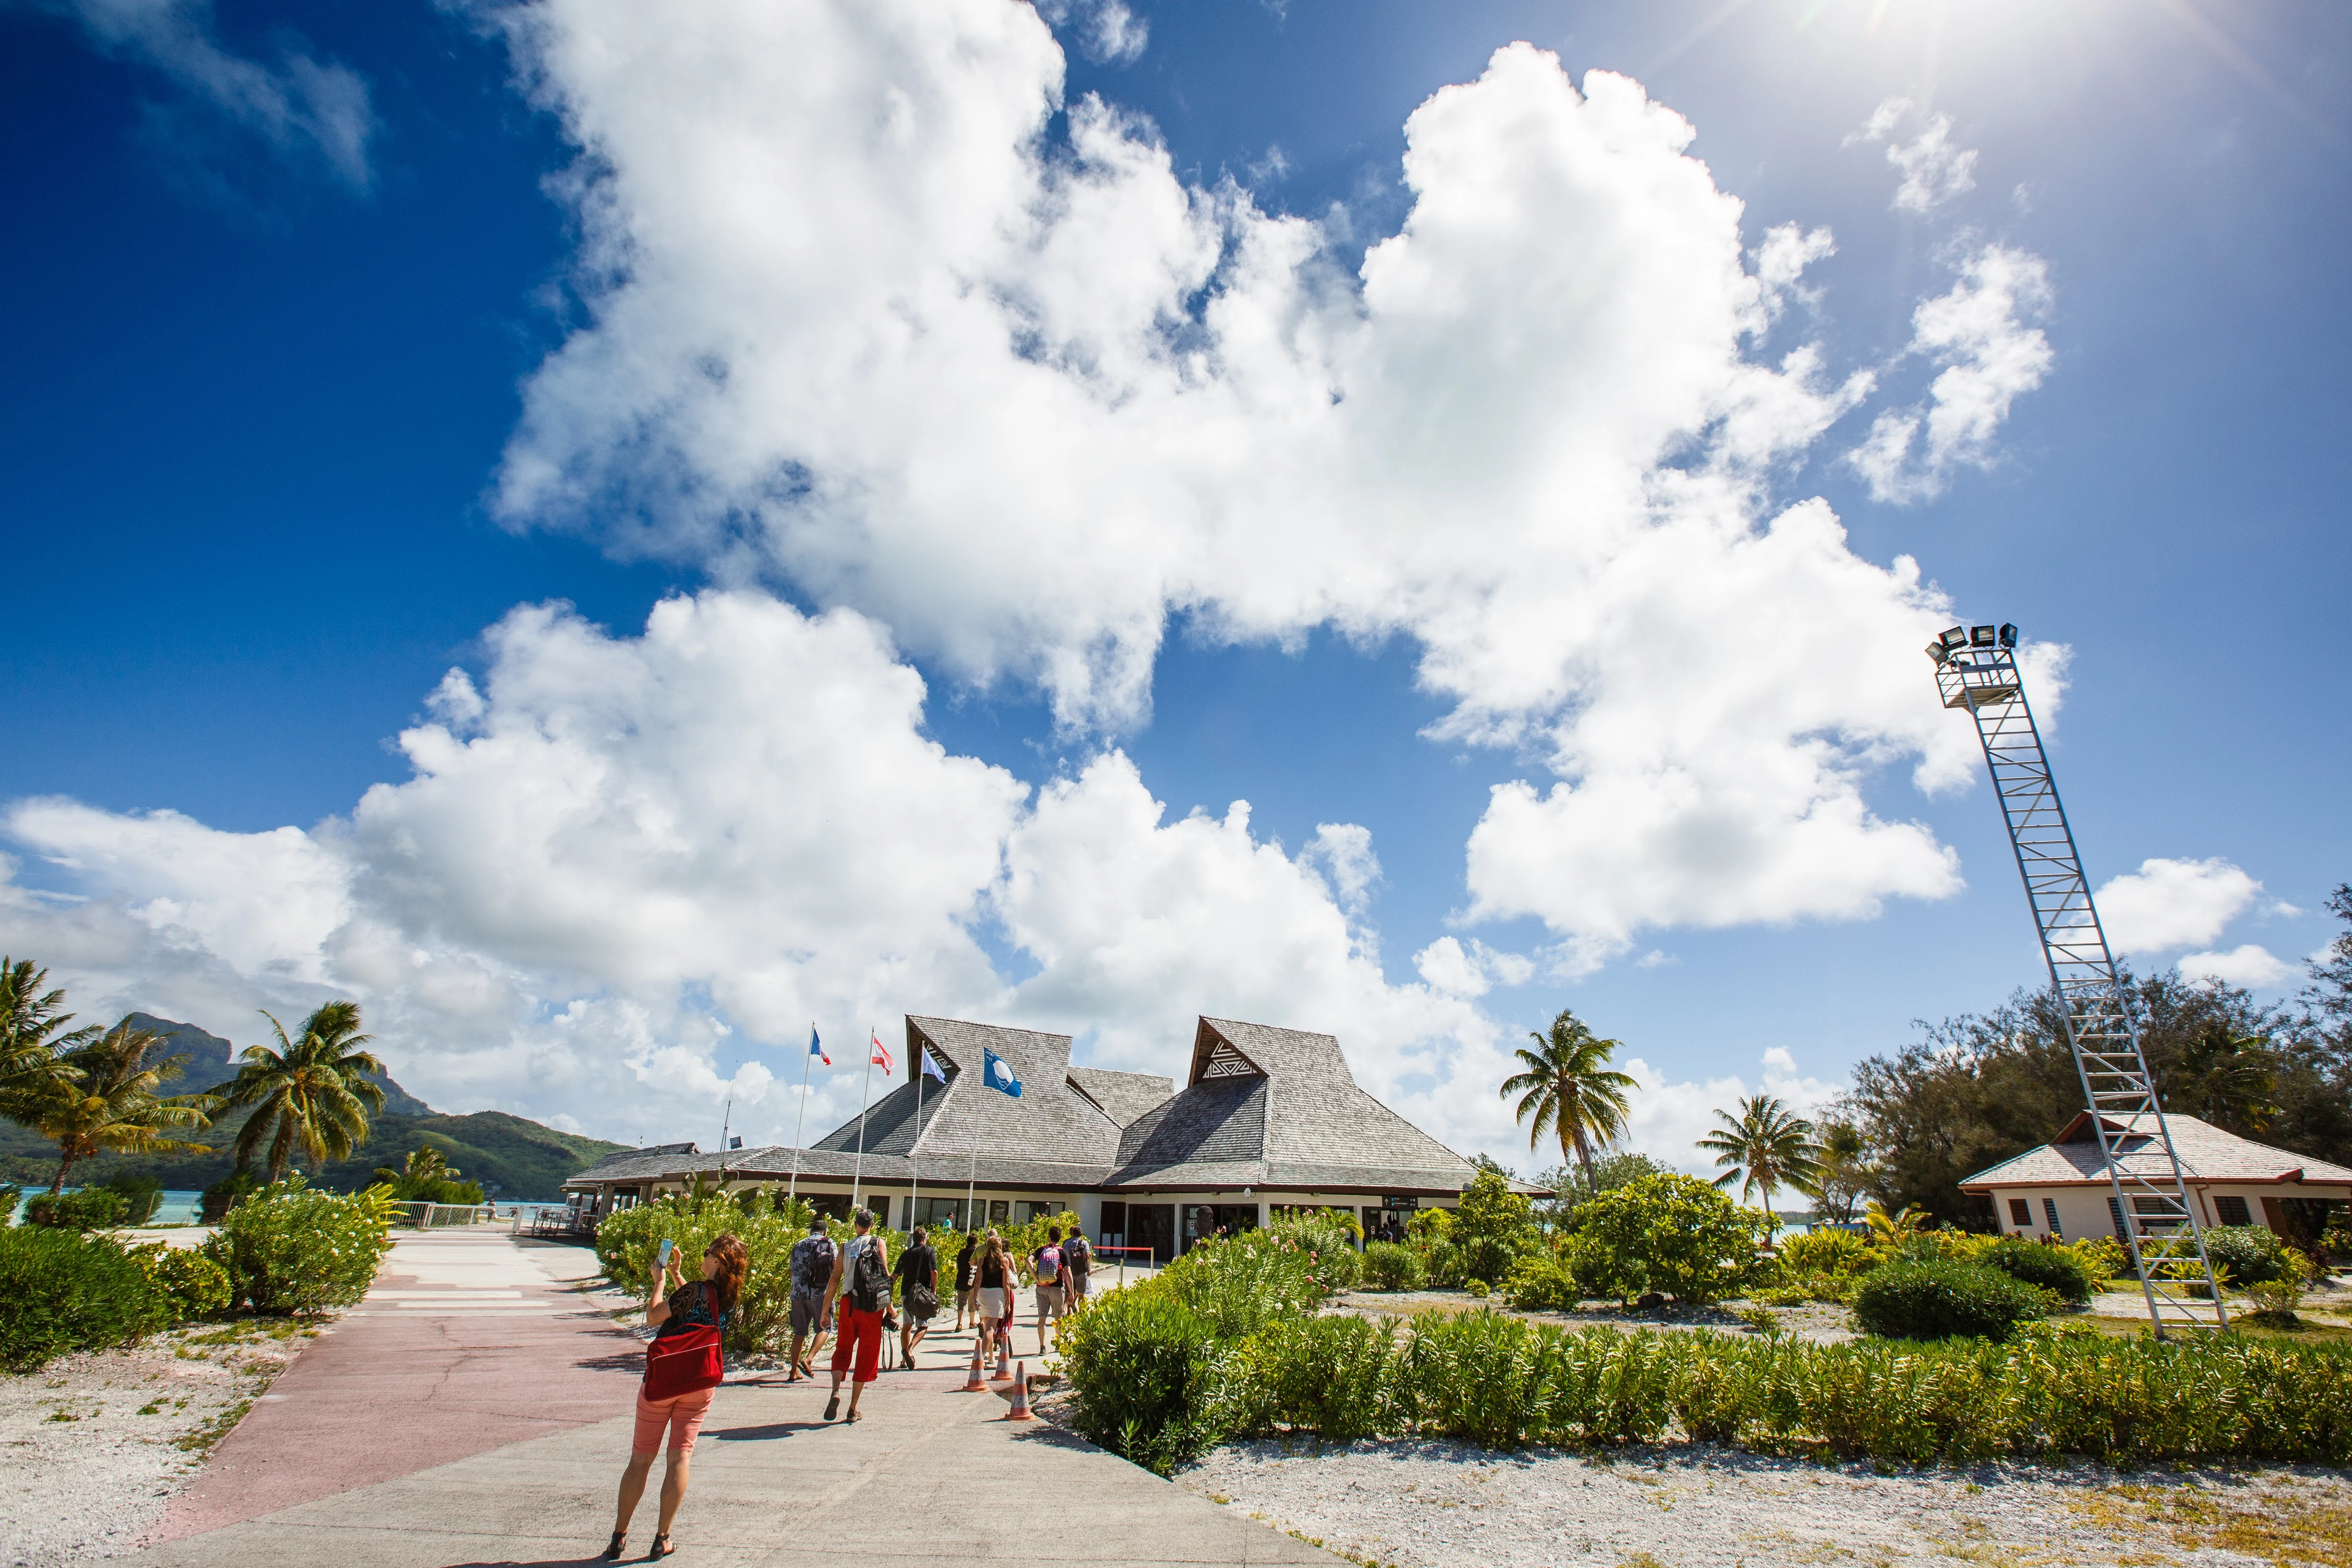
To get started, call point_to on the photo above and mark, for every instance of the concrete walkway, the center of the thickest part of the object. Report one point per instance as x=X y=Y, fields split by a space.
x=476 y=1410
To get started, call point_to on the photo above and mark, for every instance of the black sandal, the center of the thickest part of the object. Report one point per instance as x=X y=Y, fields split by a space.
x=832 y=1407
x=662 y=1548
x=612 y=1552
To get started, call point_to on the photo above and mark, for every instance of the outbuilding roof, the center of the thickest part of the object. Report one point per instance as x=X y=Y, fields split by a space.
x=2206 y=1155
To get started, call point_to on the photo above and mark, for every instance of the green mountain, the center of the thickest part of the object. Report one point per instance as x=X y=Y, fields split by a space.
x=514 y=1158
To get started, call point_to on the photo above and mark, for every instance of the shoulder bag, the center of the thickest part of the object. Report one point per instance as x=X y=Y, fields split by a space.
x=684 y=1363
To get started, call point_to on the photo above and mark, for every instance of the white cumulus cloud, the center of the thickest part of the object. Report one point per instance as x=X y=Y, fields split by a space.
x=1934 y=170
x=1669 y=1118
x=1982 y=334
x=2248 y=964
x=2172 y=903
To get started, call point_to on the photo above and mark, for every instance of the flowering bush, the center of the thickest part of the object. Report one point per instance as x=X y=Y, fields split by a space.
x=187 y=1284
x=1673 y=1233
x=289 y=1249
x=1388 y=1265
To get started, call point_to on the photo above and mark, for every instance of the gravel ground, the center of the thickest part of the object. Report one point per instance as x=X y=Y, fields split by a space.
x=99 y=1442
x=1443 y=1504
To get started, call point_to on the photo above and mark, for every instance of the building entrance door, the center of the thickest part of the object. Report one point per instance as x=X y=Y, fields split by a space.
x=1203 y=1221
x=1152 y=1226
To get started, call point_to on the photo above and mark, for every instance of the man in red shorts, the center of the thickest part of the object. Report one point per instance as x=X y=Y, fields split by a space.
x=861 y=1283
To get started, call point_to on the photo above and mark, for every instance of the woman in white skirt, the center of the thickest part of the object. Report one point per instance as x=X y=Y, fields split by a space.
x=993 y=1272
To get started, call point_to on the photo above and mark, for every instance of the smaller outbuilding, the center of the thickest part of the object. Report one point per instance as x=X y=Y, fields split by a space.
x=2061 y=1191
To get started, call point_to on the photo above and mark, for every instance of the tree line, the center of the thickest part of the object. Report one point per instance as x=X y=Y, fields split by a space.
x=93 y=1090
x=1974 y=1090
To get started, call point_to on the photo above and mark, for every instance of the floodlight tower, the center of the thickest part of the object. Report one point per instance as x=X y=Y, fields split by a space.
x=2153 y=1215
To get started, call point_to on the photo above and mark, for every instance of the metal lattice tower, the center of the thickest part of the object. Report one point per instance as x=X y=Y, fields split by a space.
x=1976 y=670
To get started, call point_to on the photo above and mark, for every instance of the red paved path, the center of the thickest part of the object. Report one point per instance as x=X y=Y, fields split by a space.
x=386 y=1394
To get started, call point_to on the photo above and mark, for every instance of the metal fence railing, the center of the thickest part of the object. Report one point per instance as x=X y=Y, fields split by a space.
x=417 y=1214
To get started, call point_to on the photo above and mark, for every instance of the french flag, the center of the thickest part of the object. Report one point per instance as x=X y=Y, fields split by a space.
x=816 y=1047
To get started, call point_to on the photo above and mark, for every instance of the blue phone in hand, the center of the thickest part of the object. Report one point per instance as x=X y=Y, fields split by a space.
x=661 y=1259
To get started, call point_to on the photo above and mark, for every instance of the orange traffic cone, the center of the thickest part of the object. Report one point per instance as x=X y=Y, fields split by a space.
x=973 y=1382
x=1020 y=1411
x=1003 y=1361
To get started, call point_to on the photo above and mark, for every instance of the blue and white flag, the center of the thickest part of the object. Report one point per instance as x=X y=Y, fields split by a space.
x=932 y=1068
x=998 y=1075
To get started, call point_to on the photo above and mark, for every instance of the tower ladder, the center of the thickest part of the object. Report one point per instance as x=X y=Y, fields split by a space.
x=2147 y=1199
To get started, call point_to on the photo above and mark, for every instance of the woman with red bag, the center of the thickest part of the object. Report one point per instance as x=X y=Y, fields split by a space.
x=682 y=1373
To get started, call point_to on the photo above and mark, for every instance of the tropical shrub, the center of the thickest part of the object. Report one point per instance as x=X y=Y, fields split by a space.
x=1477 y=1377
x=227 y=1194
x=1390 y=1266
x=1331 y=1375
x=1153 y=1380
x=190 y=1285
x=2054 y=1268
x=2253 y=1254
x=90 y=1208
x=626 y=1242
x=2280 y=1297
x=1478 y=1287
x=1828 y=1252
x=289 y=1249
x=1542 y=1284
x=10 y=1198
x=1493 y=1227
x=1941 y=1300
x=1673 y=1233
x=141 y=1196
x=66 y=1291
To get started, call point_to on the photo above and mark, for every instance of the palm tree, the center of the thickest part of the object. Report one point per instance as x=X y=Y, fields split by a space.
x=425 y=1166
x=103 y=1099
x=309 y=1093
x=1767 y=1147
x=1569 y=1089
x=1891 y=1230
x=34 y=1039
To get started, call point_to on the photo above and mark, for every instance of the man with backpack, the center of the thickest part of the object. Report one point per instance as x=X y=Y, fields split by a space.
x=1078 y=1262
x=861 y=1282
x=812 y=1269
x=1046 y=1267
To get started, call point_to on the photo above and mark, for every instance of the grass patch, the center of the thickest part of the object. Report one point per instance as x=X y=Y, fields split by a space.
x=200 y=1441
x=2279 y=1525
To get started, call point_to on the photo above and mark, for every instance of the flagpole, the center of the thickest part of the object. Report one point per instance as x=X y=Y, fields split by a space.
x=792 y=1188
x=857 y=1172
x=915 y=1172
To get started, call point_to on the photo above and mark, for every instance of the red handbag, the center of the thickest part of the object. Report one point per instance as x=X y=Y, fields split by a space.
x=683 y=1362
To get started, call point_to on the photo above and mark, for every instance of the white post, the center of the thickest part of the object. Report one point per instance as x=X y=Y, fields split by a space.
x=969 y=1223
x=915 y=1172
x=792 y=1188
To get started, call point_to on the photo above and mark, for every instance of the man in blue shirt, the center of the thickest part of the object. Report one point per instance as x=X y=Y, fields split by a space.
x=812 y=1265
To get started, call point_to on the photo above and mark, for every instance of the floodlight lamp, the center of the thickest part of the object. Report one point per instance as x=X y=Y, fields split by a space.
x=1953 y=637
x=2008 y=634
x=1980 y=637
x=1937 y=652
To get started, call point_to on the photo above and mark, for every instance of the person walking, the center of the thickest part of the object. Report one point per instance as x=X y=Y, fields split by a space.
x=861 y=1284
x=812 y=1268
x=704 y=1305
x=919 y=1294
x=965 y=1300
x=992 y=1273
x=1078 y=1262
x=1046 y=1268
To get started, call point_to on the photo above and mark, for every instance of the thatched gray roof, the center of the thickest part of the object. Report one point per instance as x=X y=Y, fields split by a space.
x=1261 y=1108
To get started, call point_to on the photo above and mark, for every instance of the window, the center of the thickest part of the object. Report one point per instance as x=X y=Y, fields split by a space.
x=2232 y=1211
x=1031 y=1212
x=2050 y=1209
x=940 y=1214
x=2020 y=1214
x=999 y=1211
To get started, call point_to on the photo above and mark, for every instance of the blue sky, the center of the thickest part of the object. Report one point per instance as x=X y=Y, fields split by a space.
x=286 y=276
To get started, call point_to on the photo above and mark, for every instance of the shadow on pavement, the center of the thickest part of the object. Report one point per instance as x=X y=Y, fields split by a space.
x=768 y=1432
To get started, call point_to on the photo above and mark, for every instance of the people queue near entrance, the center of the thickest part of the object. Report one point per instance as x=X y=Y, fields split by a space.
x=842 y=1293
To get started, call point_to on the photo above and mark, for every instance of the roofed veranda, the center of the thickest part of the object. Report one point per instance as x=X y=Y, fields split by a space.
x=1269 y=1119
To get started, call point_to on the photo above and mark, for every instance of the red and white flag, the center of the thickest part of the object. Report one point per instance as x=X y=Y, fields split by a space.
x=881 y=1058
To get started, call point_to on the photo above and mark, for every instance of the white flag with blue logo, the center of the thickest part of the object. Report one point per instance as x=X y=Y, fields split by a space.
x=999 y=1075
x=932 y=1068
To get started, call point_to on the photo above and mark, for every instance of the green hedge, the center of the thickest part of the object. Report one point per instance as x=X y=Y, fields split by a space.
x=1940 y=1300
x=66 y=1291
x=289 y=1249
x=2054 y=1268
x=88 y=1209
x=1389 y=1265
x=1154 y=1382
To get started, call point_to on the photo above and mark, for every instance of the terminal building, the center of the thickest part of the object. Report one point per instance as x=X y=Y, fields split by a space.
x=1269 y=1120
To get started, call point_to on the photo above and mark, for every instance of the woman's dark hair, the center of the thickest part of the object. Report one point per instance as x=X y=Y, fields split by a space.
x=734 y=1263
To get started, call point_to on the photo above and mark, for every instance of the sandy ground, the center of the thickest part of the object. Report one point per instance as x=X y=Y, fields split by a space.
x=1443 y=1504
x=98 y=1443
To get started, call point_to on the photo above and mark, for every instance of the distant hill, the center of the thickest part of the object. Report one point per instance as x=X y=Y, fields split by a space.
x=527 y=1162
x=212 y=1061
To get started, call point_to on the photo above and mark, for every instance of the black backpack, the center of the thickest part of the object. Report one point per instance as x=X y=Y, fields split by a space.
x=1076 y=1255
x=870 y=1282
